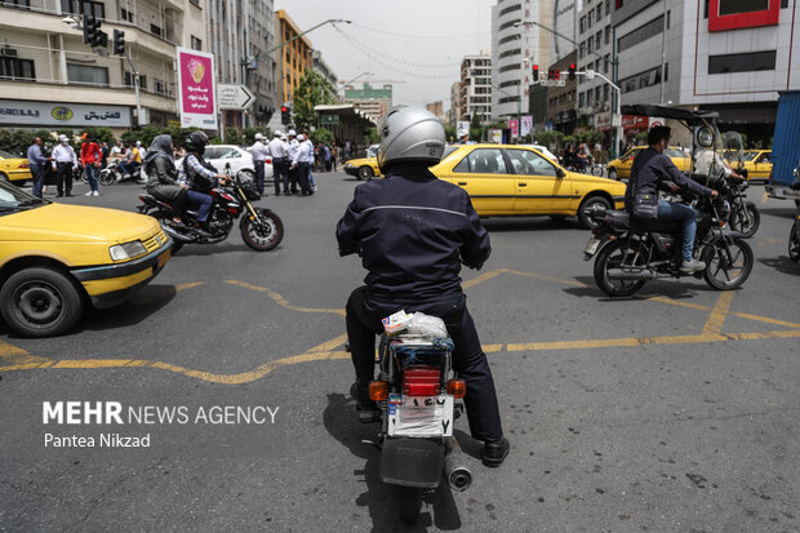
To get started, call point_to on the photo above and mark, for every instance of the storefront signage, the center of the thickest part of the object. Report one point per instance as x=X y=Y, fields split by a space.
x=23 y=113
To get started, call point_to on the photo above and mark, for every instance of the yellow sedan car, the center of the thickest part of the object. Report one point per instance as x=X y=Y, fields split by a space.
x=621 y=168
x=757 y=163
x=520 y=180
x=55 y=259
x=13 y=168
x=364 y=168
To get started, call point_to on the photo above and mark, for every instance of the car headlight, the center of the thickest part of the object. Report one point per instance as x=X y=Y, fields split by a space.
x=120 y=252
x=348 y=165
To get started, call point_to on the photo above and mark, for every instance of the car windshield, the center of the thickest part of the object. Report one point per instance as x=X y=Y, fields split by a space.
x=733 y=154
x=7 y=155
x=12 y=199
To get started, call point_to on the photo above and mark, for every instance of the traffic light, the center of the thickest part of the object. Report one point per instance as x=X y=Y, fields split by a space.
x=286 y=115
x=536 y=73
x=119 y=43
x=553 y=74
x=89 y=28
x=572 y=71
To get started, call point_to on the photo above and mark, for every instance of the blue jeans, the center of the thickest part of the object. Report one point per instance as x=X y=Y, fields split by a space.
x=311 y=183
x=204 y=201
x=38 y=180
x=678 y=212
x=91 y=175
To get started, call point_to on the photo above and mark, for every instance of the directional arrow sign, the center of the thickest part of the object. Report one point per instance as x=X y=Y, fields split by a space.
x=231 y=96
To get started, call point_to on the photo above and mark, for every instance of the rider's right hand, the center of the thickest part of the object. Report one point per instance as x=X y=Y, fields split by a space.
x=714 y=193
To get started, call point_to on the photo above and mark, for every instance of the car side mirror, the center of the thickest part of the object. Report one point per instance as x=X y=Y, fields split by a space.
x=227 y=166
x=560 y=172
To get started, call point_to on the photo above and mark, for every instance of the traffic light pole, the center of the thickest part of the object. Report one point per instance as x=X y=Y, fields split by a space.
x=136 y=87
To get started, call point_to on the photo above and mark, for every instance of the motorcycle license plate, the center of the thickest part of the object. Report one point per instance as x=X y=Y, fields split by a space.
x=420 y=416
x=591 y=246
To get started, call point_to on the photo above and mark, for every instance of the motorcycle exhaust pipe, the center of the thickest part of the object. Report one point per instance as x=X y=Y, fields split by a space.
x=637 y=275
x=174 y=234
x=456 y=471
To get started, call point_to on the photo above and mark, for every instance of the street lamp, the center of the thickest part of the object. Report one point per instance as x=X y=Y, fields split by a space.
x=345 y=83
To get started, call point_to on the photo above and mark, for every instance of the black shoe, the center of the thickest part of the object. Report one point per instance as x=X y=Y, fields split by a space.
x=495 y=452
x=368 y=411
x=70 y=194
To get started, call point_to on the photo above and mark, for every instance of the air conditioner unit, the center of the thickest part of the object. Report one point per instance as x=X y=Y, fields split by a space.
x=7 y=51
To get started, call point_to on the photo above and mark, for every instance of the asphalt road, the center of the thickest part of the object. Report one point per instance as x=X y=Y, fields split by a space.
x=674 y=411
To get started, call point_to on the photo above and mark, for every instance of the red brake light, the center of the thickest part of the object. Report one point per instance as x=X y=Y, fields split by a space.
x=422 y=381
x=24 y=165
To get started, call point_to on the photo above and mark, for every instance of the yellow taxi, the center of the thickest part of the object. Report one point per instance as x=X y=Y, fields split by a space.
x=621 y=168
x=757 y=163
x=520 y=180
x=13 y=168
x=364 y=168
x=55 y=259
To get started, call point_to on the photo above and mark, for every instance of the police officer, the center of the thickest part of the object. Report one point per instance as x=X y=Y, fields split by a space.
x=280 y=166
x=66 y=161
x=260 y=153
x=413 y=231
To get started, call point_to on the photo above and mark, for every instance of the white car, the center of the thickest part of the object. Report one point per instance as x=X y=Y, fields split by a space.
x=241 y=160
x=545 y=152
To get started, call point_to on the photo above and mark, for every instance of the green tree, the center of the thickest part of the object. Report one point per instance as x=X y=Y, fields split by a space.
x=322 y=136
x=312 y=91
x=450 y=133
x=372 y=135
x=551 y=139
x=475 y=129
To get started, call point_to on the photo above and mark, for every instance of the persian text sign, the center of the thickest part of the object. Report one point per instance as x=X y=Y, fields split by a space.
x=198 y=102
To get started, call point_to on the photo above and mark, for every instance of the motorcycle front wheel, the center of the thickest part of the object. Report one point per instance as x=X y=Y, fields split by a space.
x=794 y=242
x=107 y=177
x=745 y=219
x=262 y=234
x=614 y=255
x=729 y=264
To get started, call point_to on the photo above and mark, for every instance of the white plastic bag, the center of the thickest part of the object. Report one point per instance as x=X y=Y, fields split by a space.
x=426 y=326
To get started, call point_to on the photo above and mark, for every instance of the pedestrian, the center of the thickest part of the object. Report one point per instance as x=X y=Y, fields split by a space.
x=105 y=151
x=91 y=159
x=280 y=165
x=37 y=162
x=65 y=161
x=326 y=157
x=292 y=148
x=300 y=162
x=334 y=154
x=310 y=159
x=260 y=153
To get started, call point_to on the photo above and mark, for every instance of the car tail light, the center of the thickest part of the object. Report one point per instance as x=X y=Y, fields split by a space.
x=378 y=391
x=422 y=381
x=24 y=165
x=268 y=160
x=457 y=388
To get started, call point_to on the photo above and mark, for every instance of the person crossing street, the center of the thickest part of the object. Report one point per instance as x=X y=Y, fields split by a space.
x=66 y=161
x=91 y=158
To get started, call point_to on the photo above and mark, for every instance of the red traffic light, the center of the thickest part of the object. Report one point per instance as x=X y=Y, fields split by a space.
x=284 y=109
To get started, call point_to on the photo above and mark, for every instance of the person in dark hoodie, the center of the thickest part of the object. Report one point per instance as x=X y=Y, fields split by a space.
x=163 y=176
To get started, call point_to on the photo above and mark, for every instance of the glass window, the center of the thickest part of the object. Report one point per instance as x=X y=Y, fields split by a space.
x=733 y=7
x=84 y=7
x=749 y=62
x=641 y=34
x=88 y=75
x=16 y=69
x=530 y=163
x=483 y=161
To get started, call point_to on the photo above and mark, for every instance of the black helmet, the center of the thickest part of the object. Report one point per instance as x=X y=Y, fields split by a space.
x=196 y=142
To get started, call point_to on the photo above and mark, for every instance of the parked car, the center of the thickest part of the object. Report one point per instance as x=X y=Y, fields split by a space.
x=520 y=180
x=621 y=168
x=56 y=259
x=364 y=168
x=757 y=163
x=14 y=169
x=241 y=160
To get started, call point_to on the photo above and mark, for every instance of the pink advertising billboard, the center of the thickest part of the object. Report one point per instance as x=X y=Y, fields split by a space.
x=197 y=90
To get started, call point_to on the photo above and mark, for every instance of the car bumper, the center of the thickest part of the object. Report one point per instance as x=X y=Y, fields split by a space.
x=110 y=285
x=353 y=171
x=619 y=202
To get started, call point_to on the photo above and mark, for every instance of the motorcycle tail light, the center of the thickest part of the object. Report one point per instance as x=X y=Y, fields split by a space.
x=378 y=391
x=457 y=388
x=233 y=211
x=422 y=381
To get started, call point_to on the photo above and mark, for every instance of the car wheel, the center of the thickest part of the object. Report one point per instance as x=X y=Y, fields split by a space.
x=3 y=177
x=590 y=203
x=40 y=302
x=612 y=174
x=365 y=173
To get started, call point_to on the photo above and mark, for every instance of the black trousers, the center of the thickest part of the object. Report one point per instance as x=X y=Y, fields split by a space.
x=302 y=179
x=64 y=178
x=258 y=166
x=280 y=173
x=364 y=323
x=293 y=176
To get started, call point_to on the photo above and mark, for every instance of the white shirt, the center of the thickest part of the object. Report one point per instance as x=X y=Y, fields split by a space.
x=277 y=148
x=64 y=154
x=310 y=155
x=709 y=163
x=301 y=156
x=260 y=151
x=291 y=149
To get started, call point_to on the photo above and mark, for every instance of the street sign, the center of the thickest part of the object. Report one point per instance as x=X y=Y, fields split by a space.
x=330 y=120
x=553 y=83
x=232 y=96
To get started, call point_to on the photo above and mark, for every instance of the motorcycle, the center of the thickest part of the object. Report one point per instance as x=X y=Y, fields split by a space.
x=745 y=217
x=794 y=234
x=113 y=173
x=631 y=252
x=418 y=397
x=261 y=228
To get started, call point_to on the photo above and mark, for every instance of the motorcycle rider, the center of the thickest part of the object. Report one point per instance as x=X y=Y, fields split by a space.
x=159 y=164
x=201 y=176
x=413 y=231
x=652 y=167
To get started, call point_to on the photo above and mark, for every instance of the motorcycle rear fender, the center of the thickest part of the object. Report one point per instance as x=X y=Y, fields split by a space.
x=412 y=462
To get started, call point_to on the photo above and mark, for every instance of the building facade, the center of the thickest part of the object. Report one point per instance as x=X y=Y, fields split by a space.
x=733 y=59
x=321 y=66
x=50 y=78
x=372 y=101
x=517 y=45
x=293 y=59
x=241 y=57
x=565 y=27
x=437 y=108
x=475 y=97
x=595 y=40
x=561 y=112
x=455 y=103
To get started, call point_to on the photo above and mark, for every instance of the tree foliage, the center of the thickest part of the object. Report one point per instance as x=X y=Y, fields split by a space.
x=312 y=91
x=322 y=136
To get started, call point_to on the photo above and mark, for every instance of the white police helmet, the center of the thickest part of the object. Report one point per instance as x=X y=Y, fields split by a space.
x=410 y=134
x=259 y=136
x=292 y=133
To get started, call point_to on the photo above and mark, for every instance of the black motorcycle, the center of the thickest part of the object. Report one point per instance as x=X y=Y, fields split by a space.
x=794 y=234
x=744 y=217
x=261 y=229
x=631 y=252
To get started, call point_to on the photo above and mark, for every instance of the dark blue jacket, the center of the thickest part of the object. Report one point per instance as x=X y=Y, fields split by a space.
x=412 y=231
x=651 y=167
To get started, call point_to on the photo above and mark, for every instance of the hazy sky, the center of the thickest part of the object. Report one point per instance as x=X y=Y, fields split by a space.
x=419 y=42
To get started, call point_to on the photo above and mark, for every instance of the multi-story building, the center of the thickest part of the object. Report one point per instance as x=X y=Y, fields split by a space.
x=732 y=60
x=475 y=98
x=595 y=37
x=371 y=101
x=240 y=54
x=437 y=108
x=561 y=111
x=565 y=27
x=517 y=44
x=48 y=77
x=325 y=70
x=294 y=58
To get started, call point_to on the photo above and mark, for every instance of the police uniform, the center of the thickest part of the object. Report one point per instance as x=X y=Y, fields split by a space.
x=413 y=231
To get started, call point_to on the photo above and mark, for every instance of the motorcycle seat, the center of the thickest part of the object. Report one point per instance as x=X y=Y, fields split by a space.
x=655 y=226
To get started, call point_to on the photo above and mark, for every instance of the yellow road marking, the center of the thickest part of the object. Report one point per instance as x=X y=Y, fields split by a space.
x=185 y=286
x=329 y=345
x=717 y=317
x=486 y=276
x=283 y=302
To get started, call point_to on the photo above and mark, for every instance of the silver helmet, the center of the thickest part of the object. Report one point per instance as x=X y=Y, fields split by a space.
x=410 y=134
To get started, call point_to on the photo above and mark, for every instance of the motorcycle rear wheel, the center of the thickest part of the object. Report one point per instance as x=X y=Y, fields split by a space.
x=107 y=177
x=745 y=219
x=611 y=256
x=263 y=236
x=794 y=242
x=409 y=503
x=726 y=271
